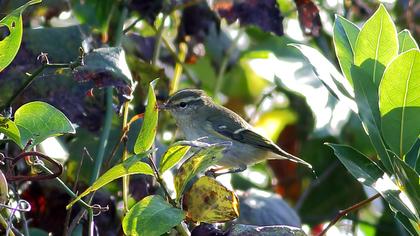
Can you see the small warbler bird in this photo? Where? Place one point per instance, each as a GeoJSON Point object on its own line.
{"type": "Point", "coordinates": [198, 116]}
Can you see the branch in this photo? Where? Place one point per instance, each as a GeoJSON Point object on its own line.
{"type": "Point", "coordinates": [344, 212]}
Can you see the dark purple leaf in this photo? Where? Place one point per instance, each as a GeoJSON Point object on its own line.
{"type": "Point", "coordinates": [262, 13]}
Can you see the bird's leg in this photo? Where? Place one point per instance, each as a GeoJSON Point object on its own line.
{"type": "Point", "coordinates": [221, 171]}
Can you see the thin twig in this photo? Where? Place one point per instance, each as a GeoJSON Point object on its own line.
{"type": "Point", "coordinates": [33, 76]}
{"type": "Point", "coordinates": [344, 212]}
{"type": "Point", "coordinates": [68, 214]}
{"type": "Point", "coordinates": [161, 183]}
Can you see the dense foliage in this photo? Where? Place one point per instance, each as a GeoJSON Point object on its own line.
{"type": "Point", "coordinates": [84, 149]}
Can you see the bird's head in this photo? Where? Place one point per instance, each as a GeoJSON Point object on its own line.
{"type": "Point", "coordinates": [187, 103]}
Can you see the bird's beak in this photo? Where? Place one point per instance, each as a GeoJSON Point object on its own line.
{"type": "Point", "coordinates": [163, 106]}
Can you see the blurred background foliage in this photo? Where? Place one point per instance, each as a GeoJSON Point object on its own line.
{"type": "Point", "coordinates": [237, 51]}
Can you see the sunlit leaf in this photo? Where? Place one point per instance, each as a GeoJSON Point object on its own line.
{"type": "Point", "coordinates": [328, 74]}
{"type": "Point", "coordinates": [366, 97]}
{"type": "Point", "coordinates": [368, 173]}
{"type": "Point", "coordinates": [209, 201]}
{"type": "Point", "coordinates": [345, 36]}
{"type": "Point", "coordinates": [172, 156]}
{"type": "Point", "coordinates": [39, 120]}
{"type": "Point", "coordinates": [197, 163]}
{"type": "Point", "coordinates": [9, 128]}
{"type": "Point", "coordinates": [9, 46]}
{"type": "Point", "coordinates": [376, 45]}
{"type": "Point", "coordinates": [406, 41]}
{"type": "Point", "coordinates": [152, 216]}
{"type": "Point", "coordinates": [147, 133]}
{"type": "Point", "coordinates": [131, 166]}
{"type": "Point", "coordinates": [400, 102]}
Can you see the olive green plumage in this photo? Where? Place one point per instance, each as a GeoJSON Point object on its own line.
{"type": "Point", "coordinates": [198, 116]}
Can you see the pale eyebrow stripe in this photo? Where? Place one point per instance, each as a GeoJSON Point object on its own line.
{"type": "Point", "coordinates": [189, 99]}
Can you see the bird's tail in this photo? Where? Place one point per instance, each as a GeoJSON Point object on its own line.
{"type": "Point", "coordinates": [285, 155]}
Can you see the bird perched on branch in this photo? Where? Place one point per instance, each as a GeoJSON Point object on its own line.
{"type": "Point", "coordinates": [198, 116]}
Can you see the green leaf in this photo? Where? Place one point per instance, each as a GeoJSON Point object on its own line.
{"type": "Point", "coordinates": [376, 45]}
{"type": "Point", "coordinates": [172, 156]}
{"type": "Point", "coordinates": [197, 163]}
{"type": "Point", "coordinates": [9, 128]}
{"type": "Point", "coordinates": [105, 65]}
{"type": "Point", "coordinates": [147, 133]}
{"type": "Point", "coordinates": [411, 226]}
{"type": "Point", "coordinates": [9, 46]}
{"type": "Point", "coordinates": [366, 97]}
{"type": "Point", "coordinates": [152, 216]}
{"type": "Point", "coordinates": [329, 76]}
{"type": "Point", "coordinates": [345, 36]}
{"type": "Point", "coordinates": [409, 180]}
{"type": "Point", "coordinates": [368, 173]}
{"type": "Point", "coordinates": [39, 120]}
{"type": "Point", "coordinates": [131, 166]}
{"type": "Point", "coordinates": [406, 41]}
{"type": "Point", "coordinates": [413, 156]}
{"type": "Point", "coordinates": [400, 102]}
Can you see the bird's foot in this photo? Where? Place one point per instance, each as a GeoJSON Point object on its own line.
{"type": "Point", "coordinates": [214, 173]}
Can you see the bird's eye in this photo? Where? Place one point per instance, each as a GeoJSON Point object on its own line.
{"type": "Point", "coordinates": [182, 104]}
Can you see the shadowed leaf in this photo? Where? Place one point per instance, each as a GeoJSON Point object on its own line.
{"type": "Point", "coordinates": [345, 36]}
{"type": "Point", "coordinates": [368, 173]}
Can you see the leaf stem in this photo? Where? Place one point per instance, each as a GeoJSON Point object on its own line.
{"type": "Point", "coordinates": [161, 183]}
{"type": "Point", "coordinates": [344, 212]}
{"type": "Point", "coordinates": [66, 188]}
{"type": "Point", "coordinates": [104, 136]}
{"type": "Point", "coordinates": [126, 179]}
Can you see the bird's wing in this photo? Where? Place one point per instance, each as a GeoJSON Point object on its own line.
{"type": "Point", "coordinates": [234, 129]}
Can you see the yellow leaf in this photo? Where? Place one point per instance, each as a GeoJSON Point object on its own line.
{"type": "Point", "coordinates": [209, 201]}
